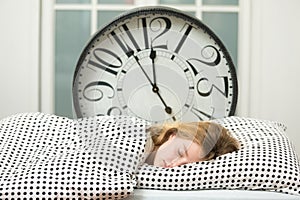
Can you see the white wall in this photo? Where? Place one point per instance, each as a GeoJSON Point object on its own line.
{"type": "Point", "coordinates": [275, 64]}
{"type": "Point", "coordinates": [19, 56]}
{"type": "Point", "coordinates": [273, 74]}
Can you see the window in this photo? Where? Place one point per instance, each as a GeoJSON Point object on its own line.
{"type": "Point", "coordinates": [76, 20]}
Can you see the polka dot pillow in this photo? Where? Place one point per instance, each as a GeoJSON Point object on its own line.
{"type": "Point", "coordinates": [47, 157]}
{"type": "Point", "coordinates": [266, 161]}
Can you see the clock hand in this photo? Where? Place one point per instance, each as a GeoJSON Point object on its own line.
{"type": "Point", "coordinates": [139, 64]}
{"type": "Point", "coordinates": [168, 109]}
{"type": "Point", "coordinates": [155, 89]}
{"type": "Point", "coordinates": [152, 57]}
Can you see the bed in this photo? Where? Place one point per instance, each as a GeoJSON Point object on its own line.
{"type": "Point", "coordinates": [47, 156]}
{"type": "Point", "coordinates": [142, 194]}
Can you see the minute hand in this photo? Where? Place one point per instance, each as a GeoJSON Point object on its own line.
{"type": "Point", "coordinates": [145, 73]}
{"type": "Point", "coordinates": [154, 87]}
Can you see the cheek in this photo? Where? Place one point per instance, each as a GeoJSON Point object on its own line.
{"type": "Point", "coordinates": [166, 152]}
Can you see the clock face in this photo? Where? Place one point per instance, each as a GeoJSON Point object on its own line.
{"type": "Point", "coordinates": [157, 64]}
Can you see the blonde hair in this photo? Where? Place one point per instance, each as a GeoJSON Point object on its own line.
{"type": "Point", "coordinates": [214, 138]}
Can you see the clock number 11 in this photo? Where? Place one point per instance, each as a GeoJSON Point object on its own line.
{"type": "Point", "coordinates": [129, 44]}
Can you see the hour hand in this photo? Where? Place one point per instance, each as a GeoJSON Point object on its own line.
{"type": "Point", "coordinates": [152, 57]}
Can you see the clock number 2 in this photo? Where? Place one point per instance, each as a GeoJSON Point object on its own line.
{"type": "Point", "coordinates": [214, 53]}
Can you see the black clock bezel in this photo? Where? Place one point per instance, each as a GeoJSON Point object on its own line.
{"type": "Point", "coordinates": [157, 10]}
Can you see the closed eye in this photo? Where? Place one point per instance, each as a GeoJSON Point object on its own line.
{"type": "Point", "coordinates": [184, 151]}
{"type": "Point", "coordinates": [180, 153]}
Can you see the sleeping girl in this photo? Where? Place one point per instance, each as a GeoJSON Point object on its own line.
{"type": "Point", "coordinates": [47, 156]}
{"type": "Point", "coordinates": [175, 144]}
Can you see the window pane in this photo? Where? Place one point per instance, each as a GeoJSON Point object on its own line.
{"type": "Point", "coordinates": [72, 1]}
{"type": "Point", "coordinates": [116, 1]}
{"type": "Point", "coordinates": [72, 31]}
{"type": "Point", "coordinates": [225, 26]}
{"type": "Point", "coordinates": [220, 2]}
{"type": "Point", "coordinates": [191, 13]}
{"type": "Point", "coordinates": [177, 2]}
{"type": "Point", "coordinates": [105, 17]}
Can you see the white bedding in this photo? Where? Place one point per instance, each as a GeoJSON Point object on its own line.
{"type": "Point", "coordinates": [143, 194]}
{"type": "Point", "coordinates": [46, 156]}
{"type": "Point", "coordinates": [266, 161]}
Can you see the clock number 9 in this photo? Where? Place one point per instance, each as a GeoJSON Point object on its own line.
{"type": "Point", "coordinates": [92, 92]}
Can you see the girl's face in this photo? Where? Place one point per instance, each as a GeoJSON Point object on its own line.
{"type": "Point", "coordinates": [177, 151]}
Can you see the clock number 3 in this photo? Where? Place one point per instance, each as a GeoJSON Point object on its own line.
{"type": "Point", "coordinates": [213, 86]}
{"type": "Point", "coordinates": [202, 115]}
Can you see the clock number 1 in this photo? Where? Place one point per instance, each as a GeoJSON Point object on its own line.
{"type": "Point", "coordinates": [183, 38]}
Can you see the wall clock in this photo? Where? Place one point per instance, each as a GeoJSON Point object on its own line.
{"type": "Point", "coordinates": [158, 64]}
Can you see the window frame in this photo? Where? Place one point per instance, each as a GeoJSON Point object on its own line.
{"type": "Point", "coordinates": [48, 9]}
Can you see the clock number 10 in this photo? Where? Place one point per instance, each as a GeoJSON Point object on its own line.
{"type": "Point", "coordinates": [100, 63]}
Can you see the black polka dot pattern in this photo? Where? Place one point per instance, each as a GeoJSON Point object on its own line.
{"type": "Point", "coordinates": [50, 157]}
{"type": "Point", "coordinates": [266, 161]}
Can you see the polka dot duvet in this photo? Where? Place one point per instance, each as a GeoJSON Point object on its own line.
{"type": "Point", "coordinates": [46, 156]}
